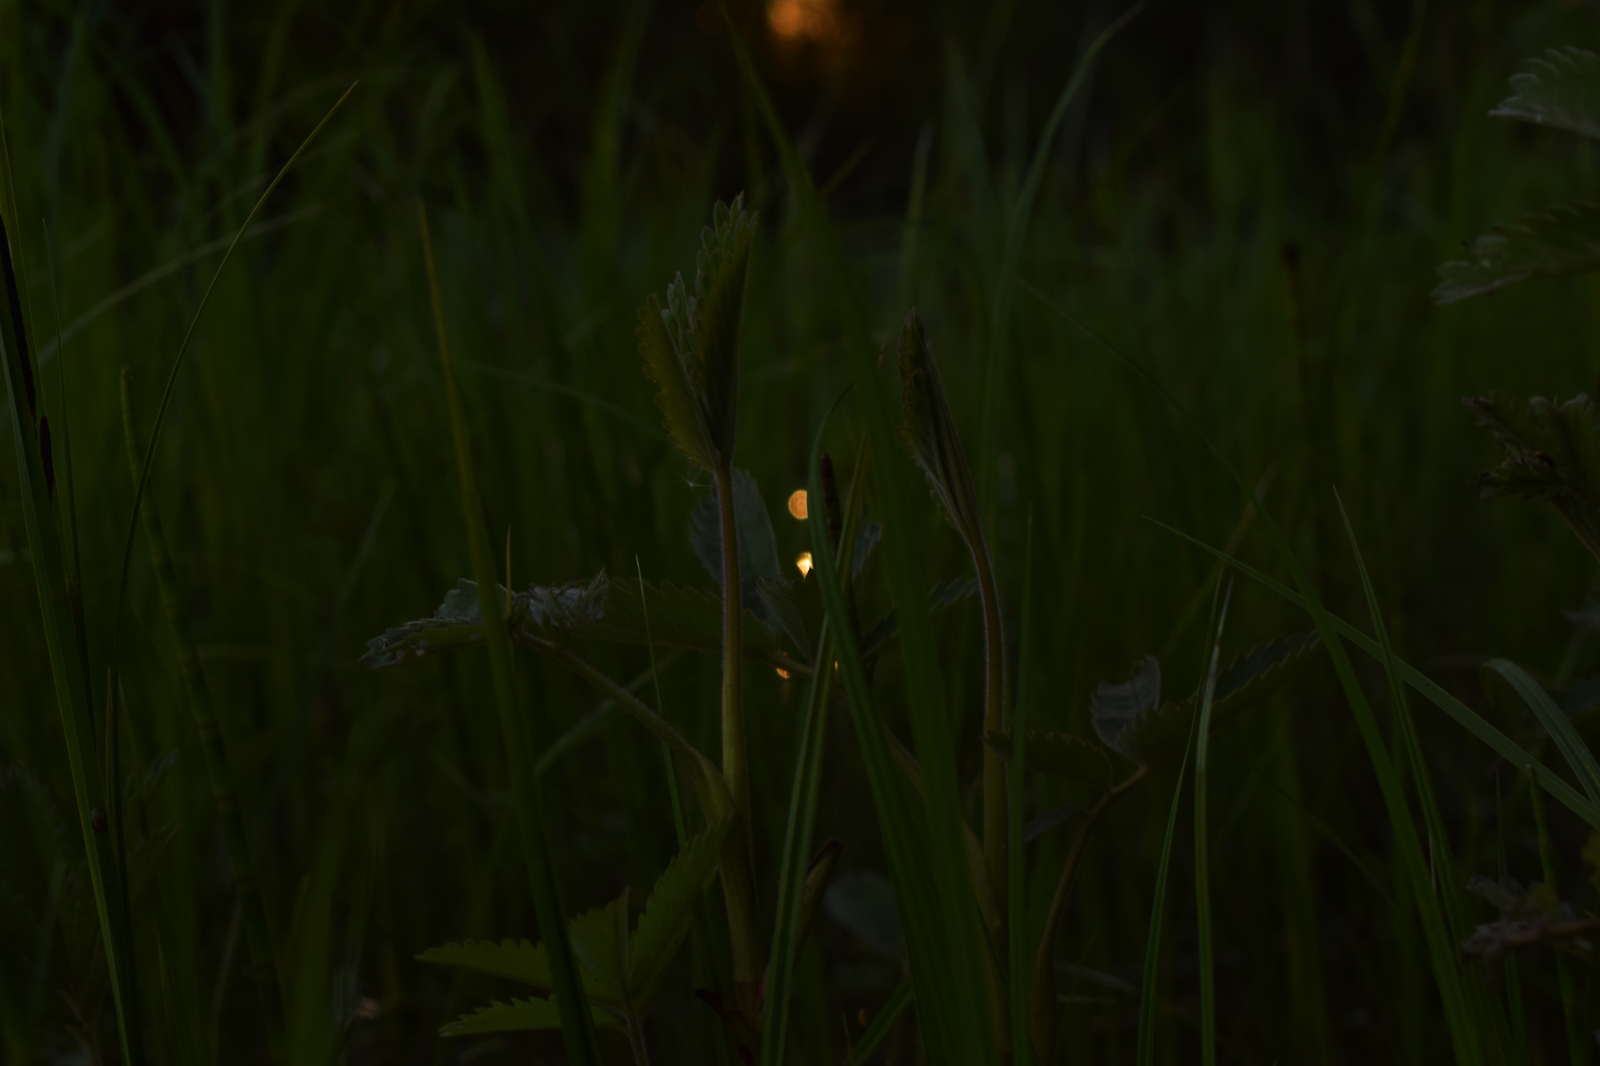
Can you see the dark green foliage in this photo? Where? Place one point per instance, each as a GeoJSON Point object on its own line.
{"type": "Point", "coordinates": [1131, 719]}
{"type": "Point", "coordinates": [758, 549]}
{"type": "Point", "coordinates": [1562, 90]}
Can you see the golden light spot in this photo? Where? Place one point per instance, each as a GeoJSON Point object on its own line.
{"type": "Point", "coordinates": [810, 21]}
{"type": "Point", "coordinates": [782, 672]}
{"type": "Point", "coordinates": [803, 561]}
{"type": "Point", "coordinates": [797, 504]}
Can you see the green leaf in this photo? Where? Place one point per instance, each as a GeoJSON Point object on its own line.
{"type": "Point", "coordinates": [518, 1015]}
{"type": "Point", "coordinates": [691, 347]}
{"type": "Point", "coordinates": [520, 961]}
{"type": "Point", "coordinates": [1552, 454]}
{"type": "Point", "coordinates": [1562, 90]}
{"type": "Point", "coordinates": [1125, 717]}
{"type": "Point", "coordinates": [669, 911]}
{"type": "Point", "coordinates": [758, 546]}
{"type": "Point", "coordinates": [930, 429]}
{"type": "Point", "coordinates": [1558, 242]}
{"type": "Point", "coordinates": [1059, 755]}
{"type": "Point", "coordinates": [603, 608]}
{"type": "Point", "coordinates": [783, 608]}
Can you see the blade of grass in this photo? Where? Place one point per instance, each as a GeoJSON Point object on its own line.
{"type": "Point", "coordinates": [1463, 1032]}
{"type": "Point", "coordinates": [1442, 888]}
{"type": "Point", "coordinates": [577, 1022]}
{"type": "Point", "coordinates": [1145, 1052]}
{"type": "Point", "coordinates": [1555, 722]}
{"type": "Point", "coordinates": [63, 632]}
{"type": "Point", "coordinates": [937, 897]}
{"type": "Point", "coordinates": [267, 975]}
{"type": "Point", "coordinates": [1569, 987]}
{"type": "Point", "coordinates": [803, 798]}
{"type": "Point", "coordinates": [1202, 865]}
{"type": "Point", "coordinates": [1519, 1017]}
{"type": "Point", "coordinates": [1307, 600]}
{"type": "Point", "coordinates": [1017, 799]}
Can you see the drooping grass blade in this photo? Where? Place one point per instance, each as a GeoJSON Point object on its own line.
{"type": "Point", "coordinates": [1555, 722]}
{"type": "Point", "coordinates": [577, 1021]}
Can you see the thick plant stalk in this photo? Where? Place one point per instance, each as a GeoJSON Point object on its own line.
{"type": "Point", "coordinates": [738, 874]}
{"type": "Point", "coordinates": [995, 799]}
{"type": "Point", "coordinates": [258, 938]}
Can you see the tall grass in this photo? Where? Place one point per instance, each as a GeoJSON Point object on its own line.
{"type": "Point", "coordinates": [569, 163]}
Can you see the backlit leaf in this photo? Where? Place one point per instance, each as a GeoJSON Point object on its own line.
{"type": "Point", "coordinates": [669, 911]}
{"type": "Point", "coordinates": [519, 1015]}
{"type": "Point", "coordinates": [520, 961]}
{"type": "Point", "coordinates": [1059, 755]}
{"type": "Point", "coordinates": [1558, 242]}
{"type": "Point", "coordinates": [1562, 90]}
{"type": "Point", "coordinates": [758, 546]}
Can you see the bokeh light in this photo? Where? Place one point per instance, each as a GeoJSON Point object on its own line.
{"type": "Point", "coordinates": [803, 561]}
{"type": "Point", "coordinates": [797, 504]}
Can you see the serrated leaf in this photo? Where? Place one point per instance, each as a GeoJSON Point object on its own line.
{"type": "Point", "coordinates": [1113, 708]}
{"type": "Point", "coordinates": [781, 607]}
{"type": "Point", "coordinates": [520, 961]}
{"type": "Point", "coordinates": [1059, 755]}
{"type": "Point", "coordinates": [941, 597]}
{"type": "Point", "coordinates": [1562, 90]}
{"type": "Point", "coordinates": [931, 431]}
{"type": "Point", "coordinates": [691, 346]}
{"type": "Point", "coordinates": [601, 609]}
{"type": "Point", "coordinates": [1558, 242]}
{"type": "Point", "coordinates": [1151, 736]}
{"type": "Point", "coordinates": [517, 1016]}
{"type": "Point", "coordinates": [600, 944]}
{"type": "Point", "coordinates": [758, 545]}
{"type": "Point", "coordinates": [669, 911]}
{"type": "Point", "coordinates": [675, 396]}
{"type": "Point", "coordinates": [1552, 447]}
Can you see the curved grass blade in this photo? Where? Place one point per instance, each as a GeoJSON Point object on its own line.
{"type": "Point", "coordinates": [1569, 990]}
{"type": "Point", "coordinates": [1555, 722]}
{"type": "Point", "coordinates": [577, 1022]}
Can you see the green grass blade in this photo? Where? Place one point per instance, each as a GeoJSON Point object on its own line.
{"type": "Point", "coordinates": [1519, 1017]}
{"type": "Point", "coordinates": [1460, 1013]}
{"type": "Point", "coordinates": [577, 1022]}
{"type": "Point", "coordinates": [939, 902]}
{"type": "Point", "coordinates": [1555, 722]}
{"type": "Point", "coordinates": [1202, 862]}
{"type": "Point", "coordinates": [1576, 1040]}
{"type": "Point", "coordinates": [219, 770]}
{"type": "Point", "coordinates": [803, 799]}
{"type": "Point", "coordinates": [1145, 1053]}
{"type": "Point", "coordinates": [1016, 802]}
{"type": "Point", "coordinates": [177, 365]}
{"type": "Point", "coordinates": [63, 639]}
{"type": "Point", "coordinates": [1465, 716]}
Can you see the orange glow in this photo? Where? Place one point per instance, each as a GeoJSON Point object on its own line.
{"type": "Point", "coordinates": [782, 672]}
{"type": "Point", "coordinates": [817, 21]}
{"type": "Point", "coordinates": [803, 561]}
{"type": "Point", "coordinates": [797, 504]}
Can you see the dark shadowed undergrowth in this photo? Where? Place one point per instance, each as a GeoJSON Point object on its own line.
{"type": "Point", "coordinates": [1050, 409]}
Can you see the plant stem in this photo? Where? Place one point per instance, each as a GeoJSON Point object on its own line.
{"type": "Point", "coordinates": [738, 874]}
{"type": "Point", "coordinates": [1044, 963]}
{"type": "Point", "coordinates": [995, 827]}
{"type": "Point", "coordinates": [258, 938]}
